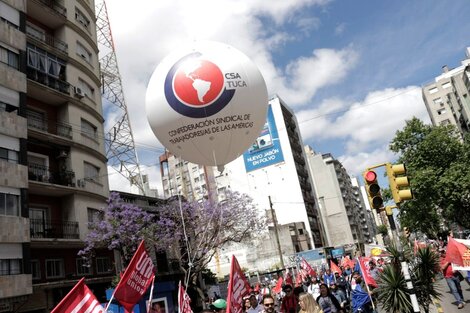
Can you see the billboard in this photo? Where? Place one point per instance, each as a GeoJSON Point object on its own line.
{"type": "Point", "coordinates": [266, 150]}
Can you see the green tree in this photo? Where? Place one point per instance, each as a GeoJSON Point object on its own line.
{"type": "Point", "coordinates": [437, 162]}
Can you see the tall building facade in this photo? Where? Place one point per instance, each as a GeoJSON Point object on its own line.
{"type": "Point", "coordinates": [447, 99]}
{"type": "Point", "coordinates": [53, 122]}
{"type": "Point", "coordinates": [344, 217]}
{"type": "Point", "coordinates": [15, 271]}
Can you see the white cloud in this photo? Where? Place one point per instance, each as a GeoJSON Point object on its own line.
{"type": "Point", "coordinates": [340, 29]}
{"type": "Point", "coordinates": [355, 164]}
{"type": "Point", "coordinates": [366, 124]}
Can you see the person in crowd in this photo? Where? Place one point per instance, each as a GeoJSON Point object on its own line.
{"type": "Point", "coordinates": [308, 304]}
{"type": "Point", "coordinates": [255, 307]}
{"type": "Point", "coordinates": [219, 306]}
{"type": "Point", "coordinates": [374, 271]}
{"type": "Point", "coordinates": [328, 277]}
{"type": "Point", "coordinates": [341, 283]}
{"type": "Point", "coordinates": [269, 304]}
{"type": "Point", "coordinates": [327, 301]}
{"type": "Point", "coordinates": [339, 295]}
{"type": "Point", "coordinates": [246, 304]}
{"type": "Point", "coordinates": [314, 288]}
{"type": "Point", "coordinates": [452, 281]}
{"type": "Point", "coordinates": [360, 297]}
{"type": "Point", "coordinates": [289, 302]}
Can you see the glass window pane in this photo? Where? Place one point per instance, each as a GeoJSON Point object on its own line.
{"type": "Point", "coordinates": [2, 203]}
{"type": "Point", "coordinates": [12, 205]}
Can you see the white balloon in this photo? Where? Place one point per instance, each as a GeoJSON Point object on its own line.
{"type": "Point", "coordinates": [207, 103]}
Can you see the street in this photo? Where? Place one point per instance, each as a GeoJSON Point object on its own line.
{"type": "Point", "coordinates": [447, 300]}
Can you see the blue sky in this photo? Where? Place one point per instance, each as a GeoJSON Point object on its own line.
{"type": "Point", "coordinates": [365, 60]}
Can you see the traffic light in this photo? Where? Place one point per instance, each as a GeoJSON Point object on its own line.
{"type": "Point", "coordinates": [399, 183]}
{"type": "Point", "coordinates": [373, 190]}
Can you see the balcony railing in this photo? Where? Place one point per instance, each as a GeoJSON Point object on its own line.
{"type": "Point", "coordinates": [54, 6]}
{"type": "Point", "coordinates": [42, 173]}
{"type": "Point", "coordinates": [53, 229]}
{"type": "Point", "coordinates": [48, 40]}
{"type": "Point", "coordinates": [62, 129]}
{"type": "Point", "coordinates": [48, 80]}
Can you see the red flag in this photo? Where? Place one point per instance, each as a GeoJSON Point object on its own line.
{"type": "Point", "coordinates": [289, 280]}
{"type": "Point", "coordinates": [237, 287]}
{"type": "Point", "coordinates": [335, 268]}
{"type": "Point", "coordinates": [278, 287]}
{"type": "Point", "coordinates": [183, 301]}
{"type": "Point", "coordinates": [455, 251]}
{"type": "Point", "coordinates": [79, 300]}
{"type": "Point", "coordinates": [136, 279]}
{"type": "Point", "coordinates": [307, 268]}
{"type": "Point", "coordinates": [346, 261]}
{"type": "Point", "coordinates": [365, 271]}
{"type": "Point", "coordinates": [298, 278]}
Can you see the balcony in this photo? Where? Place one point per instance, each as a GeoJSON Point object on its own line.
{"type": "Point", "coordinates": [60, 129]}
{"type": "Point", "coordinates": [53, 229]}
{"type": "Point", "coordinates": [48, 80]}
{"type": "Point", "coordinates": [42, 38]}
{"type": "Point", "coordinates": [48, 12]}
{"type": "Point", "coordinates": [42, 173]}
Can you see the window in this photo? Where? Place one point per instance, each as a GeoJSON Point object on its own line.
{"type": "Point", "coordinates": [10, 267]}
{"type": "Point", "coordinates": [445, 122]}
{"type": "Point", "coordinates": [441, 111]}
{"type": "Point", "coordinates": [437, 101]}
{"type": "Point", "coordinates": [82, 267]}
{"type": "Point", "coordinates": [87, 90]}
{"type": "Point", "coordinates": [94, 215]}
{"type": "Point", "coordinates": [35, 269]}
{"type": "Point", "coordinates": [433, 90]}
{"type": "Point", "coordinates": [9, 15]}
{"type": "Point", "coordinates": [9, 204]}
{"type": "Point", "coordinates": [37, 120]}
{"type": "Point", "coordinates": [54, 268]}
{"type": "Point", "coordinates": [82, 19]}
{"type": "Point", "coordinates": [9, 57]}
{"type": "Point", "coordinates": [88, 129]}
{"type": "Point", "coordinates": [103, 265]}
{"type": "Point", "coordinates": [9, 155]}
{"type": "Point", "coordinates": [446, 85]}
{"type": "Point", "coordinates": [83, 52]}
{"type": "Point", "coordinates": [91, 172]}
{"type": "Point", "coordinates": [45, 63]}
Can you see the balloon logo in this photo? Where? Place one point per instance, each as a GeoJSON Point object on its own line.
{"type": "Point", "coordinates": [207, 103]}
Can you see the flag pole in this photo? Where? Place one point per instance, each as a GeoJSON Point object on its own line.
{"type": "Point", "coordinates": [110, 300]}
{"type": "Point", "coordinates": [151, 293]}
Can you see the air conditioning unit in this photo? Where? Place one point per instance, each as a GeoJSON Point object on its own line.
{"type": "Point", "coordinates": [81, 183]}
{"type": "Point", "coordinates": [78, 92]}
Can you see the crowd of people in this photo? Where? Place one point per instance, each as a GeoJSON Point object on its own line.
{"type": "Point", "coordinates": [327, 292]}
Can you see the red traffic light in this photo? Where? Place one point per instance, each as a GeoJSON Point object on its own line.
{"type": "Point", "coordinates": [370, 176]}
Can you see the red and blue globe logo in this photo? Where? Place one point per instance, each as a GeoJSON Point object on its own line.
{"type": "Point", "coordinates": [195, 87]}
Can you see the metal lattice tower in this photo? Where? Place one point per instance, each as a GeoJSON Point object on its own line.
{"type": "Point", "coordinates": [119, 141]}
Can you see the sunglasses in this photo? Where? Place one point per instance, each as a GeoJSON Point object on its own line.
{"type": "Point", "coordinates": [269, 304]}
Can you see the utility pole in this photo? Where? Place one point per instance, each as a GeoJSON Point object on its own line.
{"type": "Point", "coordinates": [276, 233]}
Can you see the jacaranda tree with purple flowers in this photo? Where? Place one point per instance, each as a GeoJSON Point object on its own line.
{"type": "Point", "coordinates": [122, 228]}
{"type": "Point", "coordinates": [207, 226]}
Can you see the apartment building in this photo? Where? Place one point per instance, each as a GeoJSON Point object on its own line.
{"type": "Point", "coordinates": [447, 98]}
{"type": "Point", "coordinates": [53, 132]}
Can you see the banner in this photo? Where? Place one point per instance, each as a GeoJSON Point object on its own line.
{"type": "Point", "coordinates": [458, 252]}
{"type": "Point", "coordinates": [183, 300]}
{"type": "Point", "coordinates": [136, 279]}
{"type": "Point", "coordinates": [237, 288]}
{"type": "Point", "coordinates": [288, 278]}
{"type": "Point", "coordinates": [79, 300]}
{"type": "Point", "coordinates": [365, 272]}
